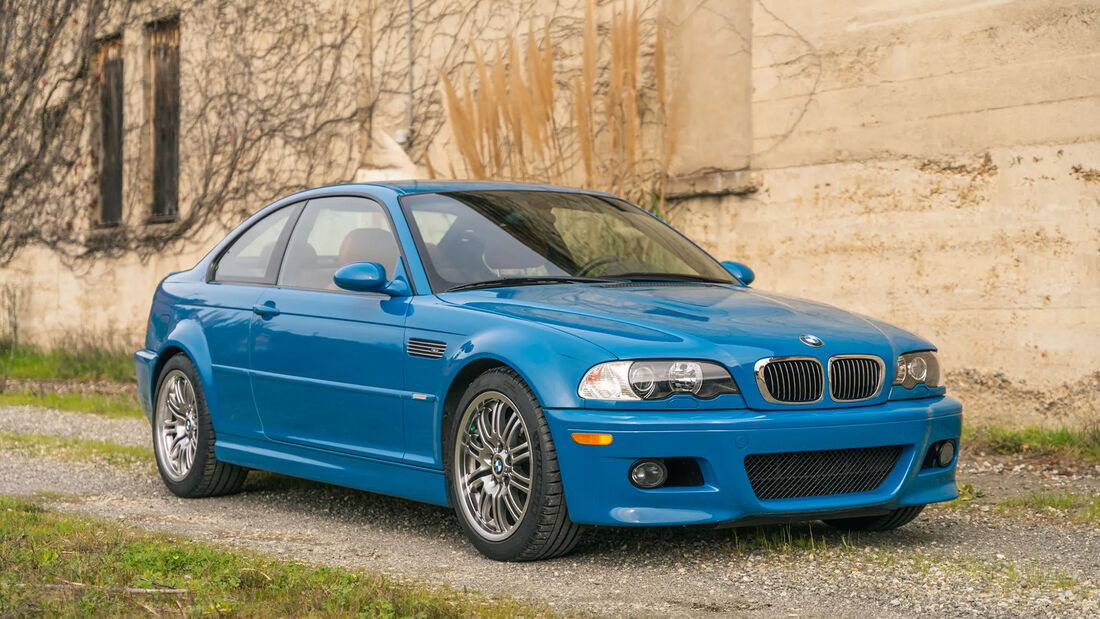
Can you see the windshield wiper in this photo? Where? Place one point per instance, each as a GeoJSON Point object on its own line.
{"type": "Point", "coordinates": [667, 277]}
{"type": "Point", "coordinates": [535, 280]}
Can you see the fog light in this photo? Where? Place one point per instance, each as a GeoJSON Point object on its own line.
{"type": "Point", "coordinates": [940, 455]}
{"type": "Point", "coordinates": [648, 473]}
{"type": "Point", "coordinates": [946, 454]}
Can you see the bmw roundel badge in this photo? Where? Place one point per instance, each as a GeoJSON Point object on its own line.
{"type": "Point", "coordinates": [810, 340]}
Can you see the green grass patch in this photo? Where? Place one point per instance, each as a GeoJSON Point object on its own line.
{"type": "Point", "coordinates": [108, 405]}
{"type": "Point", "coordinates": [868, 553]}
{"type": "Point", "coordinates": [83, 363]}
{"type": "Point", "coordinates": [810, 537]}
{"type": "Point", "coordinates": [76, 449]}
{"type": "Point", "coordinates": [1080, 507]}
{"type": "Point", "coordinates": [56, 564]}
{"type": "Point", "coordinates": [1078, 443]}
{"type": "Point", "coordinates": [1006, 575]}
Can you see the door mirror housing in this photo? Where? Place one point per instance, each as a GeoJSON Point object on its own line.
{"type": "Point", "coordinates": [740, 271]}
{"type": "Point", "coordinates": [368, 277]}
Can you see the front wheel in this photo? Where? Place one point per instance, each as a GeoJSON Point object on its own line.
{"type": "Point", "coordinates": [885, 522]}
{"type": "Point", "coordinates": [502, 472]}
{"type": "Point", "coordinates": [183, 436]}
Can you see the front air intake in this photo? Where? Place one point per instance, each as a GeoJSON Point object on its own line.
{"type": "Point", "coordinates": [798, 474]}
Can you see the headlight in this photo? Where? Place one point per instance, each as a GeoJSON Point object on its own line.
{"type": "Point", "coordinates": [655, 380]}
{"type": "Point", "coordinates": [916, 368]}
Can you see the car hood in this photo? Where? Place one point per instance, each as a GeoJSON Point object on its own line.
{"type": "Point", "coordinates": [633, 319]}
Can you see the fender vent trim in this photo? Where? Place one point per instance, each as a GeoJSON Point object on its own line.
{"type": "Point", "coordinates": [429, 349]}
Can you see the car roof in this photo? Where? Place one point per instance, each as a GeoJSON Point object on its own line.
{"type": "Point", "coordinates": [432, 186]}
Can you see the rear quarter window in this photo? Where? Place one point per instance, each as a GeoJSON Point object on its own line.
{"type": "Point", "coordinates": [251, 258]}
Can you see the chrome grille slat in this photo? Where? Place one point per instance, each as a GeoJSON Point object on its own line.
{"type": "Point", "coordinates": [855, 377]}
{"type": "Point", "coordinates": [790, 380]}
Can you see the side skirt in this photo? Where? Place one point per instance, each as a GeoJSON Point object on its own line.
{"type": "Point", "coordinates": [393, 478]}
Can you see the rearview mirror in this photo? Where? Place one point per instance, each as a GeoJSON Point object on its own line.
{"type": "Point", "coordinates": [740, 271]}
{"type": "Point", "coordinates": [371, 277]}
{"type": "Point", "coordinates": [361, 277]}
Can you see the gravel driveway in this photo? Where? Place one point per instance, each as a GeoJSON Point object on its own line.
{"type": "Point", "coordinates": [972, 560]}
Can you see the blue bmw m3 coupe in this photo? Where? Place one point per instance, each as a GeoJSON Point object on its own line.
{"type": "Point", "coordinates": [538, 358]}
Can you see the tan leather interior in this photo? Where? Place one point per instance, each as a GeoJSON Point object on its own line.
{"type": "Point", "coordinates": [369, 245]}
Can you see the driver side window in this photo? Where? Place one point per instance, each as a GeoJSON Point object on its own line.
{"type": "Point", "coordinates": [334, 232]}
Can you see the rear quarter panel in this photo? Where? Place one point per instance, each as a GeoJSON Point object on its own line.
{"type": "Point", "coordinates": [210, 324]}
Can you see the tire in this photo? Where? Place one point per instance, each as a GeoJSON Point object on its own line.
{"type": "Point", "coordinates": [196, 473]}
{"type": "Point", "coordinates": [885, 522]}
{"type": "Point", "coordinates": [486, 488]}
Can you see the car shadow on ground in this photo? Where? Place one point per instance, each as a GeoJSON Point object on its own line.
{"type": "Point", "coordinates": [598, 544]}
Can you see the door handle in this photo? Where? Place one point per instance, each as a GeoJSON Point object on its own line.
{"type": "Point", "coordinates": [266, 310]}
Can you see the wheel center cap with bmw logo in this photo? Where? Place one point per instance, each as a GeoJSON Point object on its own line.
{"type": "Point", "coordinates": [810, 340]}
{"type": "Point", "coordinates": [498, 465]}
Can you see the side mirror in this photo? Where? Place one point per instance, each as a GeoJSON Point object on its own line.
{"type": "Point", "coordinates": [361, 277]}
{"type": "Point", "coordinates": [740, 271]}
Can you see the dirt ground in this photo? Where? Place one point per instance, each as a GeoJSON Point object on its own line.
{"type": "Point", "coordinates": [964, 558]}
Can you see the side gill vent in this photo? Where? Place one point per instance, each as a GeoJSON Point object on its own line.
{"type": "Point", "coordinates": [428, 349]}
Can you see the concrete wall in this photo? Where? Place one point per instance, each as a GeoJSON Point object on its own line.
{"type": "Point", "coordinates": [935, 164]}
{"type": "Point", "coordinates": [224, 50]}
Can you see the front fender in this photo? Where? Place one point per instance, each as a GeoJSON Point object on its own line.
{"type": "Point", "coordinates": [550, 361]}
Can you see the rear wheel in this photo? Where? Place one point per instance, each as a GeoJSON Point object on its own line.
{"type": "Point", "coordinates": [884, 522]}
{"type": "Point", "coordinates": [502, 472]}
{"type": "Point", "coordinates": [183, 436]}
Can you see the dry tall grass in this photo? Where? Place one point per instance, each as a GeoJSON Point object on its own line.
{"type": "Point", "coordinates": [611, 126]}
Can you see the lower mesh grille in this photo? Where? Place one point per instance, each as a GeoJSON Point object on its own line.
{"type": "Point", "coordinates": [798, 474]}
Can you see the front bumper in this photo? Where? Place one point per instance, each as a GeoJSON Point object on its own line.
{"type": "Point", "coordinates": [597, 490]}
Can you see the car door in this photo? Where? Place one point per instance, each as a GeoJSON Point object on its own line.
{"type": "Point", "coordinates": [236, 280]}
{"type": "Point", "coordinates": [327, 364]}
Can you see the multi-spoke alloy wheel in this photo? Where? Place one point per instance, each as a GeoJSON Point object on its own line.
{"type": "Point", "coordinates": [177, 425]}
{"type": "Point", "coordinates": [493, 465]}
{"type": "Point", "coordinates": [502, 471]}
{"type": "Point", "coordinates": [183, 436]}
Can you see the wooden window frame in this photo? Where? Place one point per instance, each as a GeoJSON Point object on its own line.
{"type": "Point", "coordinates": [163, 38]}
{"type": "Point", "coordinates": [110, 131]}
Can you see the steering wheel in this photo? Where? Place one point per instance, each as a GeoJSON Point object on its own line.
{"type": "Point", "coordinates": [595, 263]}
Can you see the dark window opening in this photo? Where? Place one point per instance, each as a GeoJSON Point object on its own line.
{"type": "Point", "coordinates": [253, 258]}
{"type": "Point", "coordinates": [335, 231]}
{"type": "Point", "coordinates": [164, 39]}
{"type": "Point", "coordinates": [110, 132]}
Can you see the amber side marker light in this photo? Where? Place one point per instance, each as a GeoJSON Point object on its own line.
{"type": "Point", "coordinates": [590, 438]}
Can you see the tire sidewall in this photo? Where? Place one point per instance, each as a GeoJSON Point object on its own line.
{"type": "Point", "coordinates": [512, 546]}
{"type": "Point", "coordinates": [205, 436]}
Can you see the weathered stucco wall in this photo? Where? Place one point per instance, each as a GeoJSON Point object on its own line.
{"type": "Point", "coordinates": [233, 60]}
{"type": "Point", "coordinates": [935, 164]}
{"type": "Point", "coordinates": [856, 80]}
{"type": "Point", "coordinates": [995, 259]}
{"type": "Point", "coordinates": [103, 304]}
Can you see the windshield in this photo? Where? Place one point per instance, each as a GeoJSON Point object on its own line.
{"type": "Point", "coordinates": [474, 239]}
